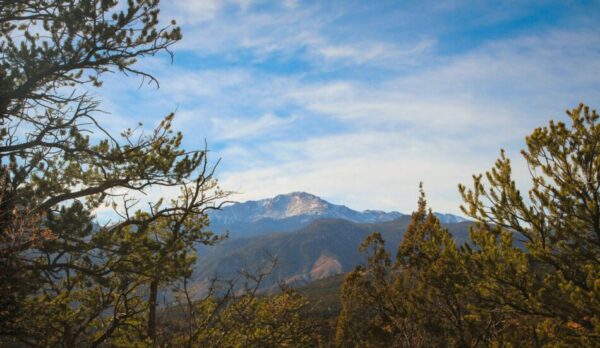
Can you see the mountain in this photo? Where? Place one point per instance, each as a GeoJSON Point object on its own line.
{"type": "Point", "coordinates": [289, 212]}
{"type": "Point", "coordinates": [323, 248]}
{"type": "Point", "coordinates": [449, 218]}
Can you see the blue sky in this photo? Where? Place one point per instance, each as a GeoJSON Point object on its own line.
{"type": "Point", "coordinates": [358, 101]}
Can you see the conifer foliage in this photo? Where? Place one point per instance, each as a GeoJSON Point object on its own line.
{"type": "Point", "coordinates": [537, 256]}
{"type": "Point", "coordinates": [66, 281]}
{"type": "Point", "coordinates": [528, 276]}
{"type": "Point", "coordinates": [417, 301]}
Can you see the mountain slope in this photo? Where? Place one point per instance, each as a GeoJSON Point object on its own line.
{"type": "Point", "coordinates": [323, 248]}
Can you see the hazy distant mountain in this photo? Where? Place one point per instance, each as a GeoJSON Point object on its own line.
{"type": "Point", "coordinates": [321, 249]}
{"type": "Point", "coordinates": [449, 218]}
{"type": "Point", "coordinates": [289, 212]}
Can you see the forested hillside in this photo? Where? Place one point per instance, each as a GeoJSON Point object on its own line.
{"type": "Point", "coordinates": [322, 249]}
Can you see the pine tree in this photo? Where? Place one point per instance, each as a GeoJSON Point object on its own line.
{"type": "Point", "coordinates": [66, 281]}
{"type": "Point", "coordinates": [536, 257]}
{"type": "Point", "coordinates": [420, 300]}
{"type": "Point", "coordinates": [236, 313]}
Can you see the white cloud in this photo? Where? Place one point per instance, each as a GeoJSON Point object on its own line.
{"type": "Point", "coordinates": [363, 170]}
{"type": "Point", "coordinates": [247, 129]}
{"type": "Point", "coordinates": [440, 125]}
{"type": "Point", "coordinates": [290, 3]}
{"type": "Point", "coordinates": [381, 53]}
{"type": "Point", "coordinates": [193, 12]}
{"type": "Point", "coordinates": [356, 139]}
{"type": "Point", "coordinates": [291, 30]}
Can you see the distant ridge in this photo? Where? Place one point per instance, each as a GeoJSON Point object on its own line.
{"type": "Point", "coordinates": [323, 248]}
{"type": "Point", "coordinates": [289, 212]}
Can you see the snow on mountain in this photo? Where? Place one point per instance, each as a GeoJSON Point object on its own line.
{"type": "Point", "coordinates": [450, 218]}
{"type": "Point", "coordinates": [295, 204]}
{"type": "Point", "coordinates": [291, 211]}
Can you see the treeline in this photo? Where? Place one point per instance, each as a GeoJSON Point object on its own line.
{"type": "Point", "coordinates": [529, 276]}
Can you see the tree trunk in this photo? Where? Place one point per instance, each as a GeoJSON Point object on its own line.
{"type": "Point", "coordinates": [152, 310]}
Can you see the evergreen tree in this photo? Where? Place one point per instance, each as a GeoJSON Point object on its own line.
{"type": "Point", "coordinates": [536, 258]}
{"type": "Point", "coordinates": [232, 314]}
{"type": "Point", "coordinates": [528, 275]}
{"type": "Point", "coordinates": [65, 281]}
{"type": "Point", "coordinates": [420, 300]}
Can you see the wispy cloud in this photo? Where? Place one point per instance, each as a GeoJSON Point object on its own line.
{"type": "Point", "coordinates": [359, 103]}
{"type": "Point", "coordinates": [379, 52]}
{"type": "Point", "coordinates": [249, 129]}
{"type": "Point", "coordinates": [290, 30]}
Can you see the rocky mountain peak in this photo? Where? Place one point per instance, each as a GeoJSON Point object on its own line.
{"type": "Point", "coordinates": [294, 204]}
{"type": "Point", "coordinates": [288, 212]}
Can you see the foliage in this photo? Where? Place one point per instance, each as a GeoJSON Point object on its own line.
{"type": "Point", "coordinates": [323, 307]}
{"type": "Point", "coordinates": [538, 256]}
{"type": "Point", "coordinates": [529, 275]}
{"type": "Point", "coordinates": [227, 316]}
{"type": "Point", "coordinates": [65, 280]}
{"type": "Point", "coordinates": [417, 301]}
